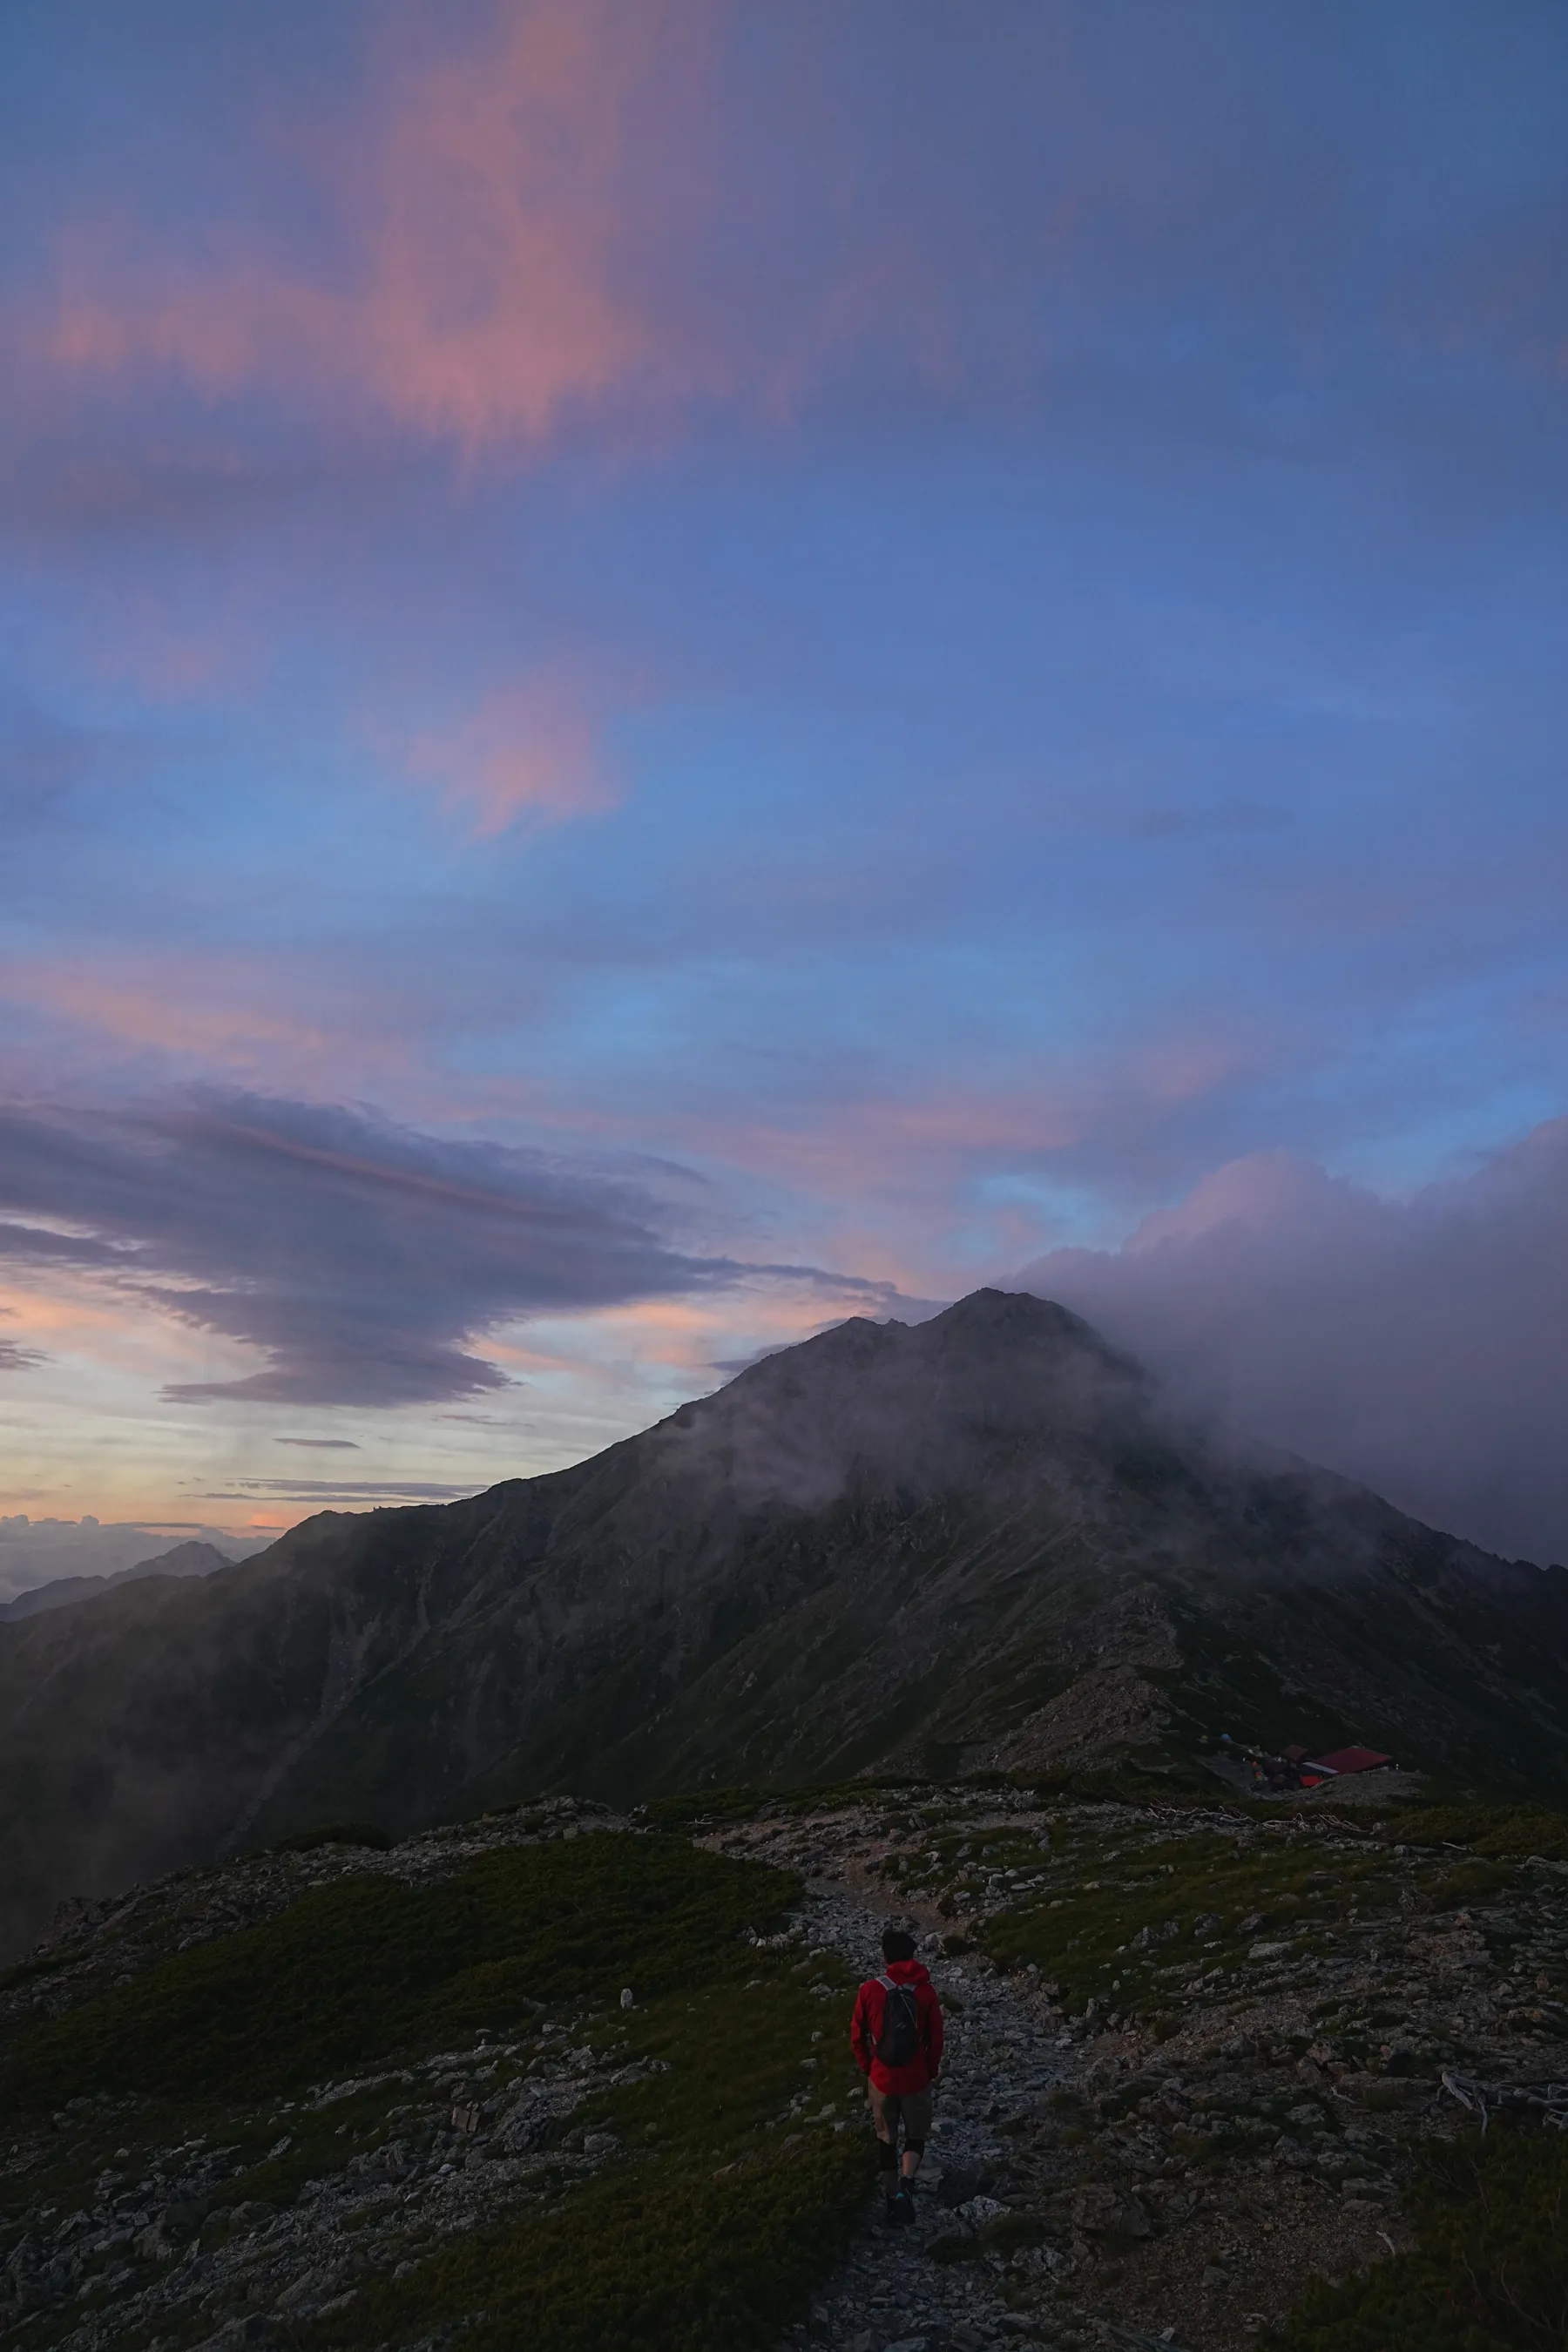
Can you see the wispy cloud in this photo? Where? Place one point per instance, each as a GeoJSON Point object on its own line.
{"type": "Point", "coordinates": [359, 1259]}
{"type": "Point", "coordinates": [543, 211]}
{"type": "Point", "coordinates": [321, 1492]}
{"type": "Point", "coordinates": [536, 748]}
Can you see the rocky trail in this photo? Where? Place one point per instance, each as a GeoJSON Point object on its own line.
{"type": "Point", "coordinates": [1008, 2047]}
{"type": "Point", "coordinates": [1002, 2054]}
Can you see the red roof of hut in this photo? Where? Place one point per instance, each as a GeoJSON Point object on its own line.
{"type": "Point", "coordinates": [1349, 1760]}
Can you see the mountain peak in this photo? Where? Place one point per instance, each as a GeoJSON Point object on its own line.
{"type": "Point", "coordinates": [999, 1325]}
{"type": "Point", "coordinates": [1018, 1316]}
{"type": "Point", "coordinates": [997, 1391]}
{"type": "Point", "coordinates": [190, 1559]}
{"type": "Point", "coordinates": [975, 1541]}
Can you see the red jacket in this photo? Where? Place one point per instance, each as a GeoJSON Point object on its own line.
{"type": "Point", "coordinates": [866, 2028]}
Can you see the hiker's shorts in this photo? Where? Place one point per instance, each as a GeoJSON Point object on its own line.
{"type": "Point", "coordinates": [911, 2107]}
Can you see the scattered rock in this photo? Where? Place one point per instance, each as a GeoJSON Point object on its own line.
{"type": "Point", "coordinates": [958, 2185]}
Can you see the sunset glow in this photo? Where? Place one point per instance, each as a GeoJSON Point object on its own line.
{"type": "Point", "coordinates": [672, 673]}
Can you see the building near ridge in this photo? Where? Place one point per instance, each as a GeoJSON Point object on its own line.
{"type": "Point", "coordinates": [1340, 1760]}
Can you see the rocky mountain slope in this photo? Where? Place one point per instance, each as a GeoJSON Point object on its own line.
{"type": "Point", "coordinates": [983, 1541]}
{"type": "Point", "coordinates": [349, 2098]}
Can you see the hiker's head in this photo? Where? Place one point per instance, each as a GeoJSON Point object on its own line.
{"type": "Point", "coordinates": [897, 1946]}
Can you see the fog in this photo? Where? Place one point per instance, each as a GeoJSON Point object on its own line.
{"type": "Point", "coordinates": [40, 1551]}
{"type": "Point", "coordinates": [1420, 1345]}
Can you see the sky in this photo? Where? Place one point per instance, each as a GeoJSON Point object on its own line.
{"type": "Point", "coordinates": [669, 673]}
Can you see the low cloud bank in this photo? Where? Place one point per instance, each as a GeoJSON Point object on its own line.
{"type": "Point", "coordinates": [1420, 1345]}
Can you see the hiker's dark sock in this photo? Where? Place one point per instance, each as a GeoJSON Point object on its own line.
{"type": "Point", "coordinates": [887, 2158]}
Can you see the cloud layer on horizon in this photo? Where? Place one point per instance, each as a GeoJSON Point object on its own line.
{"type": "Point", "coordinates": [36, 1552]}
{"type": "Point", "coordinates": [1419, 1345]}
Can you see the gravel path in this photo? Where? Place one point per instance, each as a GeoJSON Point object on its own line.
{"type": "Point", "coordinates": [1004, 2052]}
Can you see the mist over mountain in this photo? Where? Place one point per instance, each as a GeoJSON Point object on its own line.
{"type": "Point", "coordinates": [36, 1552]}
{"type": "Point", "coordinates": [1414, 1344]}
{"type": "Point", "coordinates": [180, 1559]}
{"type": "Point", "coordinates": [985, 1541]}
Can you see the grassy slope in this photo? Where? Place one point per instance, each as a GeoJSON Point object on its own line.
{"type": "Point", "coordinates": [698, 2234]}
{"type": "Point", "coordinates": [670, 2251]}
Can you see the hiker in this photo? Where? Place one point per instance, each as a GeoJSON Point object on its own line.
{"type": "Point", "coordinates": [895, 2035]}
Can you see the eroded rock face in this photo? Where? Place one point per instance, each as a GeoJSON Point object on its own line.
{"type": "Point", "coordinates": [978, 1541]}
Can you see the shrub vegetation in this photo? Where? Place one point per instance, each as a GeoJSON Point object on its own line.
{"type": "Point", "coordinates": [1489, 2271]}
{"type": "Point", "coordinates": [369, 1968]}
{"type": "Point", "coordinates": [724, 2205]}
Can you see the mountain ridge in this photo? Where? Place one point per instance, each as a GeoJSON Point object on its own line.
{"type": "Point", "coordinates": [190, 1559]}
{"type": "Point", "coordinates": [889, 1546]}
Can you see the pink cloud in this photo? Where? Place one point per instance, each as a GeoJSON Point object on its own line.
{"type": "Point", "coordinates": [172, 1015]}
{"type": "Point", "coordinates": [879, 1132]}
{"type": "Point", "coordinates": [555, 205]}
{"type": "Point", "coordinates": [535, 748]}
{"type": "Point", "coordinates": [1264, 1190]}
{"type": "Point", "coordinates": [177, 1006]}
{"type": "Point", "coordinates": [495, 299]}
{"type": "Point", "coordinates": [556, 216]}
{"type": "Point", "coordinates": [481, 214]}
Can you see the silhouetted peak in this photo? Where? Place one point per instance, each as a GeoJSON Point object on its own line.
{"type": "Point", "coordinates": [1014, 1314]}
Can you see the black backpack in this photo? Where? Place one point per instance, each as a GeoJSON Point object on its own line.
{"type": "Point", "coordinates": [899, 2042]}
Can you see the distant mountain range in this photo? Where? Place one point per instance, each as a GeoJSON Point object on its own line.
{"type": "Point", "coordinates": [182, 1560]}
{"type": "Point", "coordinates": [983, 1541]}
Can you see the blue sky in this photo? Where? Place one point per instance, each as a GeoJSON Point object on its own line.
{"type": "Point", "coordinates": [667, 674]}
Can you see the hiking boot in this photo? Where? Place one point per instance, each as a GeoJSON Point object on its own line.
{"type": "Point", "coordinates": [902, 2208]}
